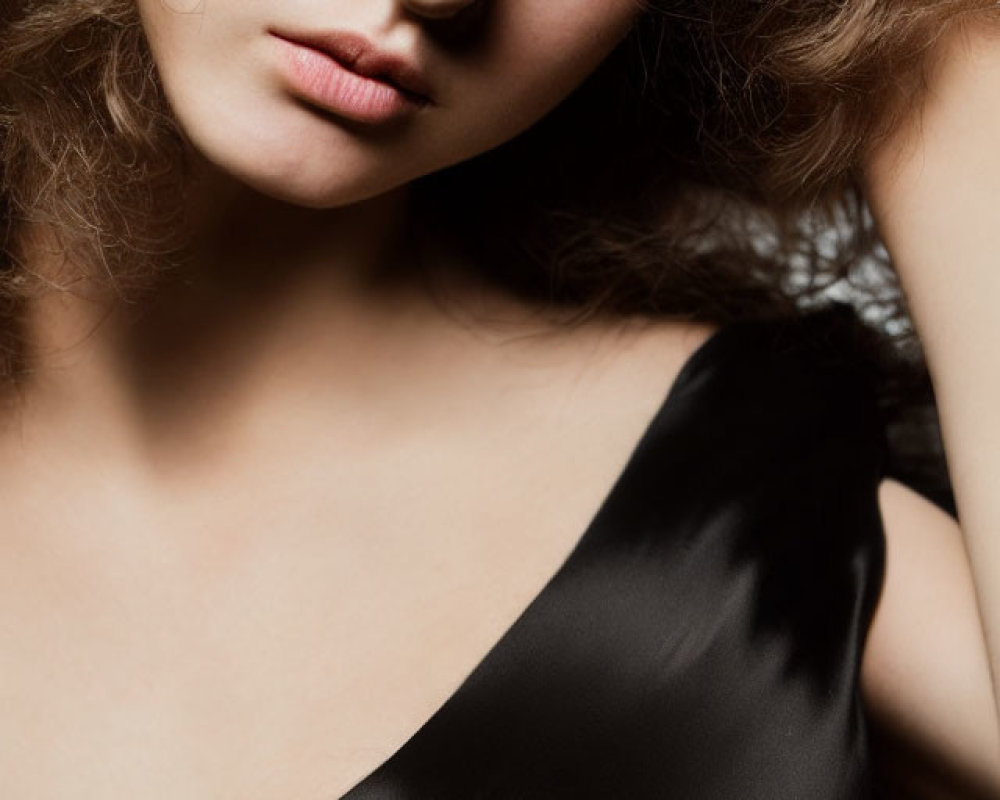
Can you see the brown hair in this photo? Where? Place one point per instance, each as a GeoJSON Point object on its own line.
{"type": "Point", "coordinates": [88, 151]}
{"type": "Point", "coordinates": [717, 179]}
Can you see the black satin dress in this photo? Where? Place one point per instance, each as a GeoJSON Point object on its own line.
{"type": "Point", "coordinates": [703, 639]}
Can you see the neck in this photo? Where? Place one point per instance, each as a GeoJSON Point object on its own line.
{"type": "Point", "coordinates": [270, 304]}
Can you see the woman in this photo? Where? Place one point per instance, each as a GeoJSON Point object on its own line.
{"type": "Point", "coordinates": [328, 326]}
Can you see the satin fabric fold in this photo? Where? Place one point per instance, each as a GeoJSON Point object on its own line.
{"type": "Point", "coordinates": [703, 639]}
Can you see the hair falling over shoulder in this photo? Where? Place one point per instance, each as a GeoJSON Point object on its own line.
{"type": "Point", "coordinates": [88, 150]}
{"type": "Point", "coordinates": [717, 179]}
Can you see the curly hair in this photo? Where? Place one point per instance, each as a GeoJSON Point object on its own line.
{"type": "Point", "coordinates": [718, 178]}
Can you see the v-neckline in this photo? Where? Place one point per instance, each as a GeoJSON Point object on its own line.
{"type": "Point", "coordinates": [682, 377]}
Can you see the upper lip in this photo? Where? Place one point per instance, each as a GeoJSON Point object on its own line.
{"type": "Point", "coordinates": [359, 55]}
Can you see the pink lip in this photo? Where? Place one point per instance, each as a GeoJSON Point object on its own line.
{"type": "Point", "coordinates": [344, 73]}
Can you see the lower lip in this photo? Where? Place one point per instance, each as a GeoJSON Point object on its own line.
{"type": "Point", "coordinates": [319, 79]}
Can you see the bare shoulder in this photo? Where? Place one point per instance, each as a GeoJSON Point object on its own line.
{"type": "Point", "coordinates": [653, 340]}
{"type": "Point", "coordinates": [925, 673]}
{"type": "Point", "coordinates": [631, 357]}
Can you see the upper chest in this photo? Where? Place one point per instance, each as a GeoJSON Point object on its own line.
{"type": "Point", "coordinates": [286, 629]}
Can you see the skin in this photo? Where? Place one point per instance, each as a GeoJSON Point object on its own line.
{"type": "Point", "coordinates": [287, 484]}
{"type": "Point", "coordinates": [528, 57]}
{"type": "Point", "coordinates": [932, 185]}
{"type": "Point", "coordinates": [285, 452]}
{"type": "Point", "coordinates": [316, 205]}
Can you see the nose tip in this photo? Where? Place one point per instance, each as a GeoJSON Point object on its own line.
{"type": "Point", "coordinates": [438, 9]}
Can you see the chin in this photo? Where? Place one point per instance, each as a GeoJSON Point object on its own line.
{"type": "Point", "coordinates": [313, 191]}
{"type": "Point", "coordinates": [322, 170]}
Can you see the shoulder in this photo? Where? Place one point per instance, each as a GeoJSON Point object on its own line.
{"type": "Point", "coordinates": [924, 672]}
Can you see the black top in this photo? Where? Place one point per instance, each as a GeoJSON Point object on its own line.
{"type": "Point", "coordinates": [703, 638]}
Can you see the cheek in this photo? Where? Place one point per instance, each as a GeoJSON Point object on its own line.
{"type": "Point", "coordinates": [194, 42]}
{"type": "Point", "coordinates": [213, 63]}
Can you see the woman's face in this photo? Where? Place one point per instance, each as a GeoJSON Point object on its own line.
{"type": "Point", "coordinates": [258, 91]}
